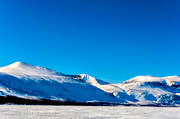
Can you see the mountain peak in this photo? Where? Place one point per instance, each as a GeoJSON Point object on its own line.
{"type": "Point", "coordinates": [17, 64]}
{"type": "Point", "coordinates": [22, 69]}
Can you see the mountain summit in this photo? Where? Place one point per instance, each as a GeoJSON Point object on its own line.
{"type": "Point", "coordinates": [23, 81]}
{"type": "Point", "coordinates": [33, 82]}
{"type": "Point", "coordinates": [22, 69]}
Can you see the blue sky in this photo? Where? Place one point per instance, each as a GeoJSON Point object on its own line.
{"type": "Point", "coordinates": [110, 39]}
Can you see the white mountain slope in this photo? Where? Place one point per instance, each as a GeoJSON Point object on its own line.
{"type": "Point", "coordinates": [27, 81]}
{"type": "Point", "coordinates": [149, 90]}
{"type": "Point", "coordinates": [33, 82]}
{"type": "Point", "coordinates": [114, 90]}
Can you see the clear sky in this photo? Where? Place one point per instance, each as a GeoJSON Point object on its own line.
{"type": "Point", "coordinates": [110, 39]}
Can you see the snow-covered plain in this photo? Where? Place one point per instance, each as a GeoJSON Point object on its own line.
{"type": "Point", "coordinates": [87, 112]}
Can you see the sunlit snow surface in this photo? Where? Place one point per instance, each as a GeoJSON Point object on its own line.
{"type": "Point", "coordinates": [87, 112]}
{"type": "Point", "coordinates": [26, 81]}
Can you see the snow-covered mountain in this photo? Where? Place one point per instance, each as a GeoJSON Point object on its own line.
{"type": "Point", "coordinates": [25, 81]}
{"type": "Point", "coordinates": [154, 90]}
{"type": "Point", "coordinates": [32, 82]}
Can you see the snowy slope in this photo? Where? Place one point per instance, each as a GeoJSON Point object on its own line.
{"type": "Point", "coordinates": [32, 82]}
{"type": "Point", "coordinates": [27, 81]}
{"type": "Point", "coordinates": [114, 90]}
{"type": "Point", "coordinates": [149, 90]}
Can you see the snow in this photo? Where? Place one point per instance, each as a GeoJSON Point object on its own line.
{"type": "Point", "coordinates": [168, 79]}
{"type": "Point", "coordinates": [89, 79]}
{"type": "Point", "coordinates": [150, 90]}
{"type": "Point", "coordinates": [87, 112]}
{"type": "Point", "coordinates": [21, 69]}
{"type": "Point", "coordinates": [33, 82]}
{"type": "Point", "coordinates": [26, 81]}
{"type": "Point", "coordinates": [145, 79]}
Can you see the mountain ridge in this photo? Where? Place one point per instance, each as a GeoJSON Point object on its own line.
{"type": "Point", "coordinates": [26, 81]}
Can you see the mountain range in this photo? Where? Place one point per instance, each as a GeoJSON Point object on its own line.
{"type": "Point", "coordinates": [22, 83]}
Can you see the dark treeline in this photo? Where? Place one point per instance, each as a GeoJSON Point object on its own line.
{"type": "Point", "coordinates": [22, 101]}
